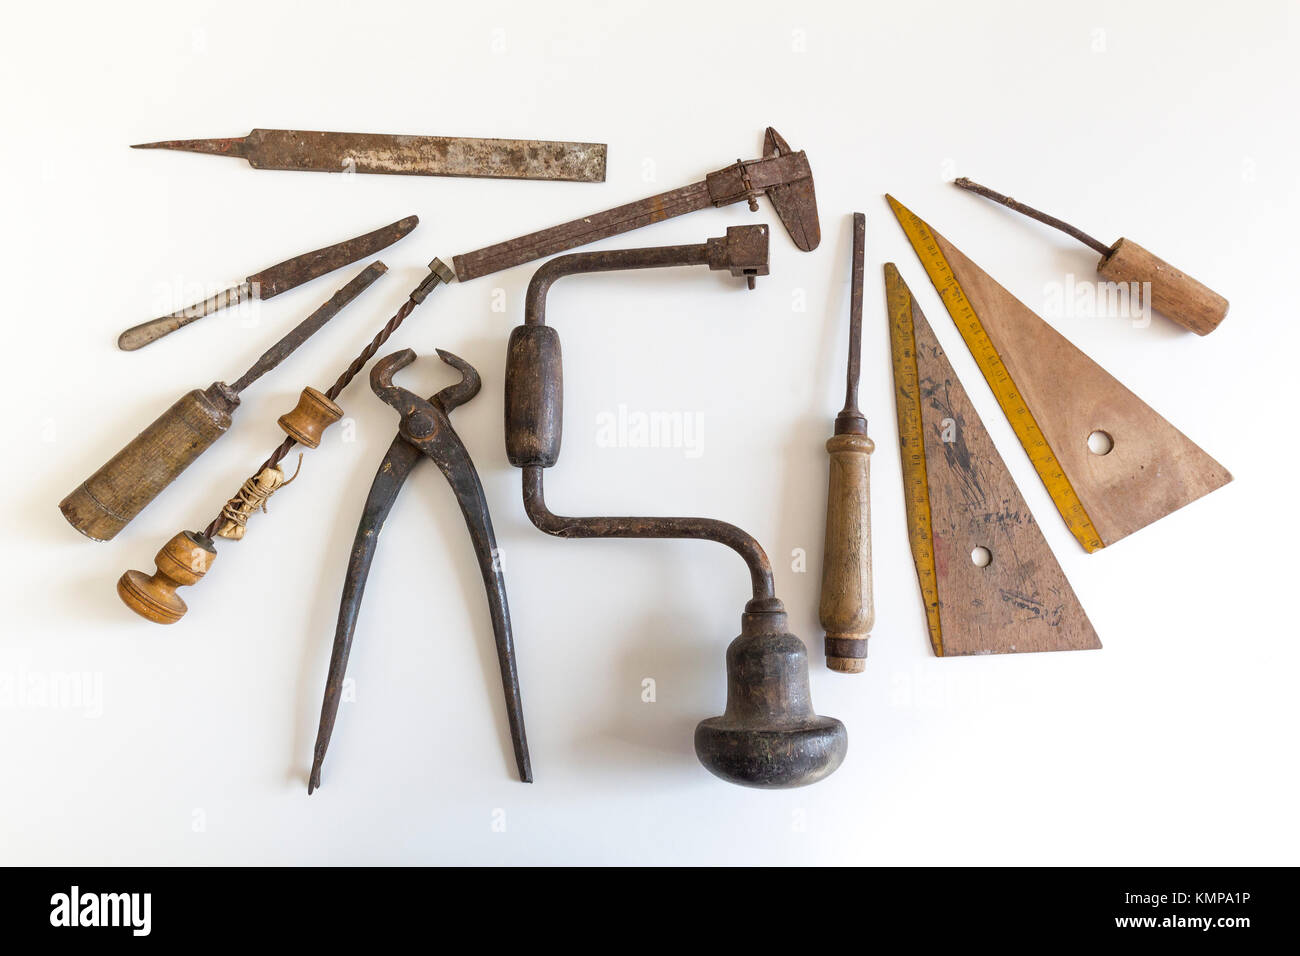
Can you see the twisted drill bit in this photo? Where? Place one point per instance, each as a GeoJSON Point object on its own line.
{"type": "Point", "coordinates": [438, 272]}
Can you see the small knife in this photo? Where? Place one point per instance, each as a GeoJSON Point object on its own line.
{"type": "Point", "coordinates": [271, 282]}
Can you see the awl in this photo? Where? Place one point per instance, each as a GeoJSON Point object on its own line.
{"type": "Point", "coordinates": [280, 277]}
{"type": "Point", "coordinates": [312, 151]}
{"type": "Point", "coordinates": [1174, 293]}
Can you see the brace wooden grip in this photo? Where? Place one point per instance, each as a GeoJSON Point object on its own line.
{"type": "Point", "coordinates": [1175, 294]}
{"type": "Point", "coordinates": [534, 396]}
{"type": "Point", "coordinates": [104, 503]}
{"type": "Point", "coordinates": [183, 560]}
{"type": "Point", "coordinates": [847, 609]}
{"type": "Point", "coordinates": [314, 413]}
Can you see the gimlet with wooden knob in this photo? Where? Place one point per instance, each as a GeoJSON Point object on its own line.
{"type": "Point", "coordinates": [847, 609]}
{"type": "Point", "coordinates": [1172, 292]}
{"type": "Point", "coordinates": [190, 554]}
{"type": "Point", "coordinates": [183, 560]}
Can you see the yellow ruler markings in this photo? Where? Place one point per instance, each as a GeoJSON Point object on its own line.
{"type": "Point", "coordinates": [911, 446]}
{"type": "Point", "coordinates": [999, 379]}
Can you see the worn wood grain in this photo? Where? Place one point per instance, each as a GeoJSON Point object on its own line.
{"type": "Point", "coordinates": [1152, 468]}
{"type": "Point", "coordinates": [307, 422]}
{"type": "Point", "coordinates": [1173, 292]}
{"type": "Point", "coordinates": [182, 561]}
{"type": "Point", "coordinates": [1020, 601]}
{"type": "Point", "coordinates": [847, 609]}
{"type": "Point", "coordinates": [105, 503]}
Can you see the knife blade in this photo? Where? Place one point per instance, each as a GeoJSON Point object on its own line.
{"type": "Point", "coordinates": [278, 278]}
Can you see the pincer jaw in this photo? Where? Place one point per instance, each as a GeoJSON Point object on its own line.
{"type": "Point", "coordinates": [460, 392]}
{"type": "Point", "coordinates": [381, 374]}
{"type": "Point", "coordinates": [420, 417]}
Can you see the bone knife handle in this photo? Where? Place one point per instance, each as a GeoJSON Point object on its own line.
{"type": "Point", "coordinates": [138, 336]}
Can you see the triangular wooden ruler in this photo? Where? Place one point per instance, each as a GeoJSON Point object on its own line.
{"type": "Point", "coordinates": [963, 507]}
{"type": "Point", "coordinates": [1056, 398]}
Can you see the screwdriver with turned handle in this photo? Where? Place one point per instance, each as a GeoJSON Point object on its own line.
{"type": "Point", "coordinates": [847, 609]}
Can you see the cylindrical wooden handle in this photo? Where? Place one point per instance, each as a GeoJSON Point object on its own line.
{"type": "Point", "coordinates": [106, 501]}
{"type": "Point", "coordinates": [534, 396]}
{"type": "Point", "coordinates": [183, 560]}
{"type": "Point", "coordinates": [847, 608]}
{"type": "Point", "coordinates": [1176, 294]}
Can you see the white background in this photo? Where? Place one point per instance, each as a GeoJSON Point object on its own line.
{"type": "Point", "coordinates": [1172, 123]}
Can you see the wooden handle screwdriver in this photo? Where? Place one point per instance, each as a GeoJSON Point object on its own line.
{"type": "Point", "coordinates": [847, 608]}
{"type": "Point", "coordinates": [188, 556]}
{"type": "Point", "coordinates": [104, 503]}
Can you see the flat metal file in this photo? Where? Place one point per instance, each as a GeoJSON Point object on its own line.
{"type": "Point", "coordinates": [312, 151]}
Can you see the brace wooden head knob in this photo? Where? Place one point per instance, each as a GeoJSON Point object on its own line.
{"type": "Point", "coordinates": [183, 560]}
{"type": "Point", "coordinates": [314, 413]}
{"type": "Point", "coordinates": [769, 736]}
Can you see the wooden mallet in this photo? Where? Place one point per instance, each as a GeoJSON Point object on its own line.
{"type": "Point", "coordinates": [1174, 293]}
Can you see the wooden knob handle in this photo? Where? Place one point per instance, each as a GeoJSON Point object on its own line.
{"type": "Point", "coordinates": [314, 413]}
{"type": "Point", "coordinates": [847, 609]}
{"type": "Point", "coordinates": [183, 560]}
{"type": "Point", "coordinates": [1175, 294]}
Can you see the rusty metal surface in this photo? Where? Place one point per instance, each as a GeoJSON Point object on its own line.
{"type": "Point", "coordinates": [769, 735]}
{"type": "Point", "coordinates": [701, 529]}
{"type": "Point", "coordinates": [425, 431]}
{"type": "Point", "coordinates": [271, 281]}
{"type": "Point", "coordinates": [438, 274]}
{"type": "Point", "coordinates": [1095, 244]}
{"type": "Point", "coordinates": [743, 251]}
{"type": "Point", "coordinates": [850, 419]}
{"type": "Point", "coordinates": [794, 198]}
{"type": "Point", "coordinates": [744, 248]}
{"type": "Point", "coordinates": [781, 174]}
{"type": "Point", "coordinates": [397, 154]}
{"type": "Point", "coordinates": [292, 273]}
{"type": "Point", "coordinates": [309, 326]}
